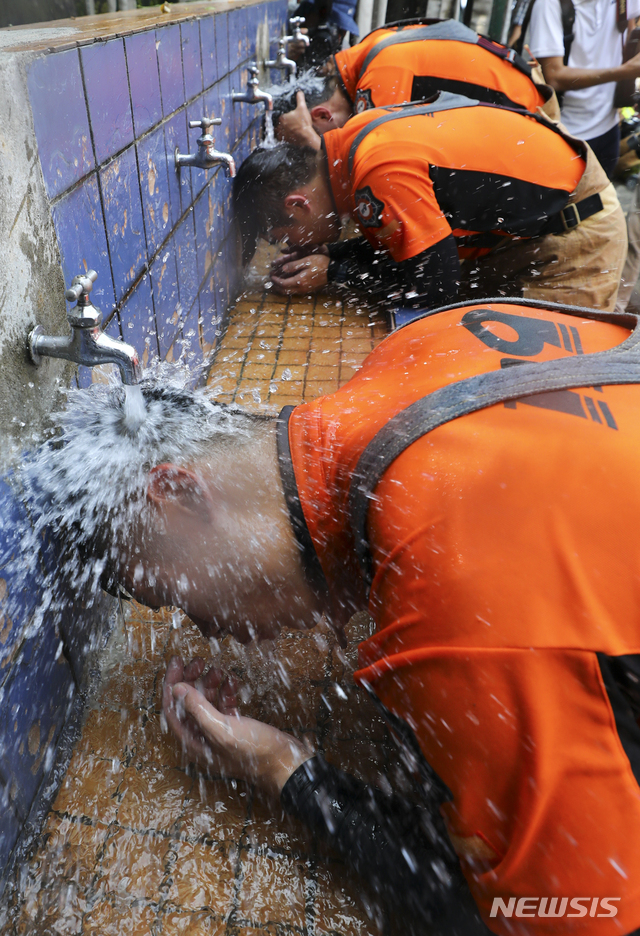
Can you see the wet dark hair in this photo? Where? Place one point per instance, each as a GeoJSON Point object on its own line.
{"type": "Point", "coordinates": [317, 89]}
{"type": "Point", "coordinates": [263, 182]}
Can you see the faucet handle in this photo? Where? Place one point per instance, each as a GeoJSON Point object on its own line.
{"type": "Point", "coordinates": [206, 123]}
{"type": "Point", "coordinates": [252, 68]}
{"type": "Point", "coordinates": [296, 22]}
{"type": "Point", "coordinates": [81, 285]}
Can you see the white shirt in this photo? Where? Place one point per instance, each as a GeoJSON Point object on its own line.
{"type": "Point", "coordinates": [587, 113]}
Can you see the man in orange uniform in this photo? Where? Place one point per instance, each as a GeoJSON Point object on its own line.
{"type": "Point", "coordinates": [415, 179]}
{"type": "Point", "coordinates": [396, 65]}
{"type": "Point", "coordinates": [476, 484]}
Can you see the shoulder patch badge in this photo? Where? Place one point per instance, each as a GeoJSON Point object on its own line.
{"type": "Point", "coordinates": [363, 101]}
{"type": "Point", "coordinates": [369, 207]}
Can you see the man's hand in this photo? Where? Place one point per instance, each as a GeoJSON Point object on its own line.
{"type": "Point", "coordinates": [219, 738]}
{"type": "Point", "coordinates": [299, 273]}
{"type": "Point", "coordinates": [297, 126]}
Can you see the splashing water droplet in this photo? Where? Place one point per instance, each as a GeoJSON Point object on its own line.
{"type": "Point", "coordinates": [269, 137]}
{"type": "Point", "coordinates": [134, 411]}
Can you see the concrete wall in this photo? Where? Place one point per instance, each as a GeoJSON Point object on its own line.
{"type": "Point", "coordinates": [90, 115]}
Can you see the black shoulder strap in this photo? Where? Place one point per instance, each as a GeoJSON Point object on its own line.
{"type": "Point", "coordinates": [451, 30]}
{"type": "Point", "coordinates": [620, 365]}
{"type": "Point", "coordinates": [568, 21]}
{"type": "Point", "coordinates": [622, 17]}
{"type": "Point", "coordinates": [445, 100]}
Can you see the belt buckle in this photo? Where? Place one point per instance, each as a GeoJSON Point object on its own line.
{"type": "Point", "coordinates": [573, 220]}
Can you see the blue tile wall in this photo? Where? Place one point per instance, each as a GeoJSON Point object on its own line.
{"type": "Point", "coordinates": [82, 238]}
{"type": "Point", "coordinates": [144, 80]}
{"type": "Point", "coordinates": [60, 119]}
{"type": "Point", "coordinates": [154, 235]}
{"type": "Point", "coordinates": [107, 97]}
{"type": "Point", "coordinates": [154, 187]}
{"type": "Point", "coordinates": [170, 68]}
{"type": "Point", "coordinates": [191, 61]}
{"type": "Point", "coordinates": [123, 219]}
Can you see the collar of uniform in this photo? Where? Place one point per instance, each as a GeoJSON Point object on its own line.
{"type": "Point", "coordinates": [336, 167]}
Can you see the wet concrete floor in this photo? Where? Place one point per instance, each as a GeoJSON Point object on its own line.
{"type": "Point", "coordinates": [136, 843]}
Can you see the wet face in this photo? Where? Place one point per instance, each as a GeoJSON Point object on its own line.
{"type": "Point", "coordinates": [228, 568]}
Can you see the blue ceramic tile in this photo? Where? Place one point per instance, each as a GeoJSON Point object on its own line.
{"type": "Point", "coordinates": [81, 236]}
{"type": "Point", "coordinates": [138, 322]}
{"type": "Point", "coordinates": [60, 120]}
{"type": "Point", "coordinates": [208, 50]}
{"type": "Point", "coordinates": [105, 76]}
{"type": "Point", "coordinates": [154, 185]}
{"type": "Point", "coordinates": [166, 299]}
{"type": "Point", "coordinates": [175, 134]}
{"type": "Point", "coordinates": [236, 38]}
{"type": "Point", "coordinates": [142, 64]}
{"type": "Point", "coordinates": [170, 67]}
{"type": "Point", "coordinates": [191, 64]}
{"type": "Point", "coordinates": [225, 134]}
{"type": "Point", "coordinates": [123, 217]}
{"type": "Point", "coordinates": [185, 250]}
{"type": "Point", "coordinates": [32, 714]}
{"type": "Point", "coordinates": [205, 218]}
{"type": "Point", "coordinates": [222, 44]}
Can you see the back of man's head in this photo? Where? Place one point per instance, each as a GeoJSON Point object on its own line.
{"type": "Point", "coordinates": [317, 89]}
{"type": "Point", "coordinates": [263, 182]}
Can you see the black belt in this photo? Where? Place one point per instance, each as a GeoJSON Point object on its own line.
{"type": "Point", "coordinates": [571, 216]}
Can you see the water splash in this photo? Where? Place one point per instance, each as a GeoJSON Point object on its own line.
{"type": "Point", "coordinates": [135, 410]}
{"type": "Point", "coordinates": [269, 140]}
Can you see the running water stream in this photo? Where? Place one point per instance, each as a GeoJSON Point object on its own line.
{"type": "Point", "coordinates": [269, 140]}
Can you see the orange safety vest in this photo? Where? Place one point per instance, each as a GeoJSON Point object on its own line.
{"type": "Point", "coordinates": [505, 571]}
{"type": "Point", "coordinates": [391, 66]}
{"type": "Point", "coordinates": [459, 167]}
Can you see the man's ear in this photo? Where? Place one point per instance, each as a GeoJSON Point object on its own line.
{"type": "Point", "coordinates": [174, 486]}
{"type": "Point", "coordinates": [321, 113]}
{"type": "Point", "coordinates": [296, 200]}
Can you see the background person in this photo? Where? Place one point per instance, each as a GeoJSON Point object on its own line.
{"type": "Point", "coordinates": [389, 66]}
{"type": "Point", "coordinates": [424, 182]}
{"type": "Point", "coordinates": [502, 580]}
{"type": "Point", "coordinates": [586, 72]}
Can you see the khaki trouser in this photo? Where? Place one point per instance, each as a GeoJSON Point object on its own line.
{"type": "Point", "coordinates": [578, 267]}
{"type": "Point", "coordinates": [631, 269]}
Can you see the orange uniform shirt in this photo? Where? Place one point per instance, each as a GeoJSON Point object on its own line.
{"type": "Point", "coordinates": [412, 71]}
{"type": "Point", "coordinates": [471, 169]}
{"type": "Point", "coordinates": [506, 555]}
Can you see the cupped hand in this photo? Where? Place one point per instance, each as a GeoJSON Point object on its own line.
{"type": "Point", "coordinates": [296, 253]}
{"type": "Point", "coordinates": [302, 275]}
{"type": "Point", "coordinates": [217, 737]}
{"type": "Point", "coordinates": [297, 126]}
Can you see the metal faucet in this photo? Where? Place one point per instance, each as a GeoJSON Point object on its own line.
{"type": "Point", "coordinates": [281, 61]}
{"type": "Point", "coordinates": [207, 156]}
{"type": "Point", "coordinates": [253, 94]}
{"type": "Point", "coordinates": [87, 344]}
{"type": "Point", "coordinates": [298, 36]}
